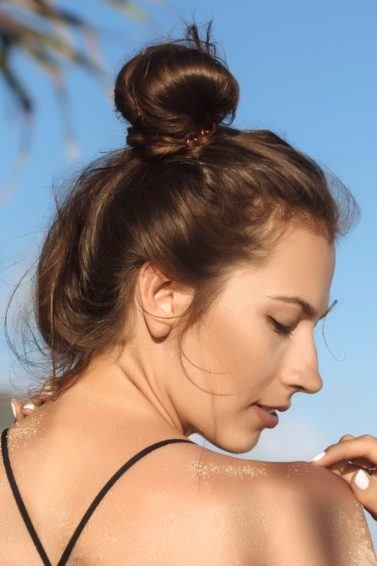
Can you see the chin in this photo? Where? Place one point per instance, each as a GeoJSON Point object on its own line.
{"type": "Point", "coordinates": [237, 444]}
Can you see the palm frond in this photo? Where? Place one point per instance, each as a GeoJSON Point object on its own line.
{"type": "Point", "coordinates": [48, 11]}
{"type": "Point", "coordinates": [128, 8]}
{"type": "Point", "coordinates": [20, 92]}
{"type": "Point", "coordinates": [42, 31]}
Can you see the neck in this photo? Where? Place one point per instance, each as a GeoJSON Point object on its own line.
{"type": "Point", "coordinates": [122, 393]}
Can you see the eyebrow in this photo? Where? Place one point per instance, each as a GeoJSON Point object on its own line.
{"type": "Point", "coordinates": [307, 308]}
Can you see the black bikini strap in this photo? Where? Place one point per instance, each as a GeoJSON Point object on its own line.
{"type": "Point", "coordinates": [106, 487]}
{"type": "Point", "coordinates": [18, 498]}
{"type": "Point", "coordinates": [92, 506]}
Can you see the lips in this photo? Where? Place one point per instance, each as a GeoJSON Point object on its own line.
{"type": "Point", "coordinates": [269, 419]}
{"type": "Point", "coordinates": [271, 408]}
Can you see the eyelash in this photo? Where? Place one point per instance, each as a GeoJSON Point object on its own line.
{"type": "Point", "coordinates": [280, 328]}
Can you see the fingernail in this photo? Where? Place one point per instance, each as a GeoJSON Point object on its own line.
{"type": "Point", "coordinates": [13, 408]}
{"type": "Point", "coordinates": [318, 457]}
{"type": "Point", "coordinates": [29, 405]}
{"type": "Point", "coordinates": [361, 479]}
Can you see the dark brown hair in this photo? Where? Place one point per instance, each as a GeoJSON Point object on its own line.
{"type": "Point", "coordinates": [196, 211]}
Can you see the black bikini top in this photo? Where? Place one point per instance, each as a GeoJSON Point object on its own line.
{"type": "Point", "coordinates": [92, 506]}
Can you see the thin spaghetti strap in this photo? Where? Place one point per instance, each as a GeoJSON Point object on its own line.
{"type": "Point", "coordinates": [106, 487]}
{"type": "Point", "coordinates": [18, 498]}
{"type": "Point", "coordinates": [93, 505]}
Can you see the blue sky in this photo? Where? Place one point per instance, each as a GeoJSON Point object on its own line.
{"type": "Point", "coordinates": [306, 71]}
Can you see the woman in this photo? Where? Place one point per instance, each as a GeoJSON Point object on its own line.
{"type": "Point", "coordinates": [177, 291]}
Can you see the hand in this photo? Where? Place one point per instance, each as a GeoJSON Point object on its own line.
{"type": "Point", "coordinates": [355, 460]}
{"type": "Point", "coordinates": [23, 408]}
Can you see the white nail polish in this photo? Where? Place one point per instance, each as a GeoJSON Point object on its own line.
{"type": "Point", "coordinates": [361, 479]}
{"type": "Point", "coordinates": [13, 408]}
{"type": "Point", "coordinates": [318, 457]}
{"type": "Point", "coordinates": [29, 405]}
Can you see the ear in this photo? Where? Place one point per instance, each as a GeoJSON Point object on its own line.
{"type": "Point", "coordinates": [163, 301]}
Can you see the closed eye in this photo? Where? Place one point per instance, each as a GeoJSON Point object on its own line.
{"type": "Point", "coordinates": [280, 328]}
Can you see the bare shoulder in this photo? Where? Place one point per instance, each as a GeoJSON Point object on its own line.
{"type": "Point", "coordinates": [294, 513]}
{"type": "Point", "coordinates": [278, 513]}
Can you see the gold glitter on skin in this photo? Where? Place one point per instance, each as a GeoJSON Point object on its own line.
{"type": "Point", "coordinates": [240, 471]}
{"type": "Point", "coordinates": [20, 432]}
{"type": "Point", "coordinates": [157, 528]}
{"type": "Point", "coordinates": [203, 472]}
{"type": "Point", "coordinates": [362, 553]}
{"type": "Point", "coordinates": [273, 520]}
{"type": "Point", "coordinates": [293, 469]}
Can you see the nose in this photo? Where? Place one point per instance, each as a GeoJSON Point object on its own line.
{"type": "Point", "coordinates": [301, 370]}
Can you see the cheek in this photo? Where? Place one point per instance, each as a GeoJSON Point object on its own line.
{"type": "Point", "coordinates": [238, 353]}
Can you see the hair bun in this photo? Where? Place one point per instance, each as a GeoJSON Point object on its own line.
{"type": "Point", "coordinates": [173, 90]}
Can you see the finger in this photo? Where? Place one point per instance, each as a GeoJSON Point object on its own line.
{"type": "Point", "coordinates": [17, 410]}
{"type": "Point", "coordinates": [362, 462]}
{"type": "Point", "coordinates": [13, 405]}
{"type": "Point", "coordinates": [28, 407]}
{"type": "Point", "coordinates": [31, 403]}
{"type": "Point", "coordinates": [345, 470]}
{"type": "Point", "coordinates": [49, 385]}
{"type": "Point", "coordinates": [363, 447]}
{"type": "Point", "coordinates": [35, 400]}
{"type": "Point", "coordinates": [45, 396]}
{"type": "Point", "coordinates": [357, 461]}
{"type": "Point", "coordinates": [365, 489]}
{"type": "Point", "coordinates": [346, 437]}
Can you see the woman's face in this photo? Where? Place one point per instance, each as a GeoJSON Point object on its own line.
{"type": "Point", "coordinates": [210, 379]}
{"type": "Point", "coordinates": [239, 355]}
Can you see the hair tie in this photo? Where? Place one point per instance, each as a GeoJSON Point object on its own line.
{"type": "Point", "coordinates": [190, 139]}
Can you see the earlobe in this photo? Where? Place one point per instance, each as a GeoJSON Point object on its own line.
{"type": "Point", "coordinates": [156, 299]}
{"type": "Point", "coordinates": [164, 314]}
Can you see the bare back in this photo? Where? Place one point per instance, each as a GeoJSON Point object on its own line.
{"type": "Point", "coordinates": [179, 504]}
